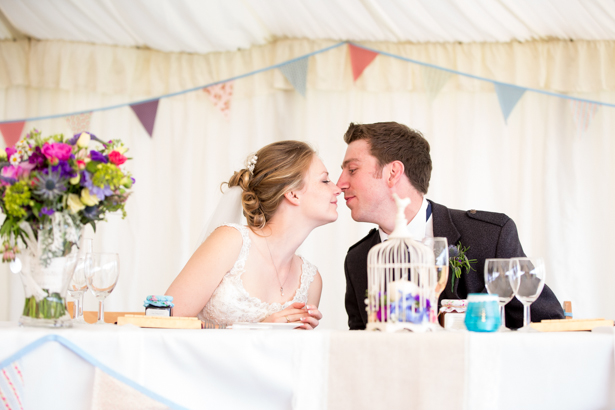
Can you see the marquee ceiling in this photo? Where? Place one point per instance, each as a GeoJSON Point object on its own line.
{"type": "Point", "coordinates": [203, 26]}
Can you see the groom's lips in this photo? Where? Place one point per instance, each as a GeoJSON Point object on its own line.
{"type": "Point", "coordinates": [348, 198]}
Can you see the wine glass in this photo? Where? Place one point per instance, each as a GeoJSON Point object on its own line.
{"type": "Point", "coordinates": [439, 246]}
{"type": "Point", "coordinates": [78, 283]}
{"type": "Point", "coordinates": [497, 281]}
{"type": "Point", "coordinates": [528, 280]}
{"type": "Point", "coordinates": [102, 271]}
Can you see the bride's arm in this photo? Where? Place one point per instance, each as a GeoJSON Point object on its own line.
{"type": "Point", "coordinates": [195, 284]}
{"type": "Point", "coordinates": [314, 315]}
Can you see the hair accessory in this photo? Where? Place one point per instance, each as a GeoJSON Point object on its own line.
{"type": "Point", "coordinates": [251, 164]}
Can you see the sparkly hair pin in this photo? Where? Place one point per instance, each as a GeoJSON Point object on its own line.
{"type": "Point", "coordinates": [251, 164]}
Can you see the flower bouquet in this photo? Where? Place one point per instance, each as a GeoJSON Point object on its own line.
{"type": "Point", "coordinates": [51, 187]}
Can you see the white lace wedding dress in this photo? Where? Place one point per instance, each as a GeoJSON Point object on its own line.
{"type": "Point", "coordinates": [231, 303]}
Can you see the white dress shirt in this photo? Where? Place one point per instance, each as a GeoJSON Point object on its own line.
{"type": "Point", "coordinates": [421, 226]}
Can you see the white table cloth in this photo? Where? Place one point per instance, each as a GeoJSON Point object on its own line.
{"type": "Point", "coordinates": [231, 369]}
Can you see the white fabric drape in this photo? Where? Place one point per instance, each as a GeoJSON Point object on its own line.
{"type": "Point", "coordinates": [556, 184]}
{"type": "Point", "coordinates": [196, 26]}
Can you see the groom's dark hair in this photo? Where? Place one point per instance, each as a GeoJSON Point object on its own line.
{"type": "Point", "coordinates": [391, 141]}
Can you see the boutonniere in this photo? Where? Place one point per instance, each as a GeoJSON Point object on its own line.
{"type": "Point", "coordinates": [458, 260]}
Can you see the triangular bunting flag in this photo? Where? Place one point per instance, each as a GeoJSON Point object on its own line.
{"type": "Point", "coordinates": [434, 80]}
{"type": "Point", "coordinates": [12, 387]}
{"type": "Point", "coordinates": [583, 113]}
{"type": "Point", "coordinates": [360, 58]}
{"type": "Point", "coordinates": [146, 113]}
{"type": "Point", "coordinates": [509, 96]}
{"type": "Point", "coordinates": [221, 95]}
{"type": "Point", "coordinates": [296, 74]}
{"type": "Point", "coordinates": [110, 393]}
{"type": "Point", "coordinates": [79, 122]}
{"type": "Point", "coordinates": [11, 131]}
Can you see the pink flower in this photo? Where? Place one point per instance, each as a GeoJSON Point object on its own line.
{"type": "Point", "coordinates": [10, 151]}
{"type": "Point", "coordinates": [57, 150]}
{"type": "Point", "coordinates": [80, 164]}
{"type": "Point", "coordinates": [117, 158]}
{"type": "Point", "coordinates": [16, 171]}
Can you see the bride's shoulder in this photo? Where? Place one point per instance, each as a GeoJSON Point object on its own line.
{"type": "Point", "coordinates": [226, 235]}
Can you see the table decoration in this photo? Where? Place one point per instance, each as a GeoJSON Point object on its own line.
{"type": "Point", "coordinates": [401, 281]}
{"type": "Point", "coordinates": [158, 305]}
{"type": "Point", "coordinates": [482, 313]}
{"type": "Point", "coordinates": [51, 187]}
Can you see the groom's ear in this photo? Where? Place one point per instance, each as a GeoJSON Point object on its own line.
{"type": "Point", "coordinates": [292, 197]}
{"type": "Point", "coordinates": [393, 172]}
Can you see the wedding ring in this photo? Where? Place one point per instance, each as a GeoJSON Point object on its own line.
{"type": "Point", "coordinates": [287, 320]}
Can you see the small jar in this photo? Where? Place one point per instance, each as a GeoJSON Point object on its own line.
{"type": "Point", "coordinates": [483, 313]}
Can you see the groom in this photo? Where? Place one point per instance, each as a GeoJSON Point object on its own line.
{"type": "Point", "coordinates": [387, 157]}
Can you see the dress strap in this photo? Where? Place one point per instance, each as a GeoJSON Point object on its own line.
{"type": "Point", "coordinates": [240, 263]}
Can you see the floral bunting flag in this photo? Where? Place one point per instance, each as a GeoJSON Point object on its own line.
{"type": "Point", "coordinates": [296, 74]}
{"type": "Point", "coordinates": [434, 80]}
{"type": "Point", "coordinates": [11, 131]}
{"type": "Point", "coordinates": [220, 96]}
{"type": "Point", "coordinates": [146, 113]}
{"type": "Point", "coordinates": [11, 387]}
{"type": "Point", "coordinates": [582, 114]}
{"type": "Point", "coordinates": [360, 58]}
{"type": "Point", "coordinates": [508, 96]}
{"type": "Point", "coordinates": [79, 122]}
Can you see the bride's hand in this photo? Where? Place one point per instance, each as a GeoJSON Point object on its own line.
{"type": "Point", "coordinates": [313, 318]}
{"type": "Point", "coordinates": [291, 314]}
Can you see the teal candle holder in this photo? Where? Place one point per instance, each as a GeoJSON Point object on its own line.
{"type": "Point", "coordinates": [483, 313]}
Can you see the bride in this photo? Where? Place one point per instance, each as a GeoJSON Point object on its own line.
{"type": "Point", "coordinates": [251, 273]}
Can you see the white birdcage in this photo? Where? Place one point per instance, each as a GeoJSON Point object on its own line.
{"type": "Point", "coordinates": [401, 279]}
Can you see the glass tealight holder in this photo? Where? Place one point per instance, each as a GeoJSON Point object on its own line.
{"type": "Point", "coordinates": [483, 313]}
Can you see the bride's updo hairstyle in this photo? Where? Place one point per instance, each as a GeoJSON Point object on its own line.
{"type": "Point", "coordinates": [280, 168]}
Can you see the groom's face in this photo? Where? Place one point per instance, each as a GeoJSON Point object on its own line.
{"type": "Point", "coordinates": [365, 190]}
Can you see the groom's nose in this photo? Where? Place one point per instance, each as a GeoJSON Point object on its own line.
{"type": "Point", "coordinates": [342, 183]}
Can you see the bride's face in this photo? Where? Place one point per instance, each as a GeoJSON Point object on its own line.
{"type": "Point", "coordinates": [319, 195]}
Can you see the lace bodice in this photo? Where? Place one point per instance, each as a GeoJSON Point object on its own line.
{"type": "Point", "coordinates": [231, 303]}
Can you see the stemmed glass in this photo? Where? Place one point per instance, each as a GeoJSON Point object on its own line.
{"type": "Point", "coordinates": [498, 274]}
{"type": "Point", "coordinates": [102, 271]}
{"type": "Point", "coordinates": [78, 284]}
{"type": "Point", "coordinates": [528, 280]}
{"type": "Point", "coordinates": [439, 245]}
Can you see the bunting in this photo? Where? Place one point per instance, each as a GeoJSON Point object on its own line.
{"type": "Point", "coordinates": [582, 114]}
{"type": "Point", "coordinates": [11, 387]}
{"type": "Point", "coordinates": [146, 113]}
{"type": "Point", "coordinates": [79, 122]}
{"type": "Point", "coordinates": [508, 96]}
{"type": "Point", "coordinates": [360, 58]}
{"type": "Point", "coordinates": [434, 80]}
{"type": "Point", "coordinates": [220, 96]}
{"type": "Point", "coordinates": [296, 74]}
{"type": "Point", "coordinates": [11, 131]}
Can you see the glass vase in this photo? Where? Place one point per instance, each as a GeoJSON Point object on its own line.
{"type": "Point", "coordinates": [45, 289]}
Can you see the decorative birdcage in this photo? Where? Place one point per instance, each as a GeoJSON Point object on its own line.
{"type": "Point", "coordinates": [401, 283]}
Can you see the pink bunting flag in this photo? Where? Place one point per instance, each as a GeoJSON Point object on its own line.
{"type": "Point", "coordinates": [11, 131]}
{"type": "Point", "coordinates": [79, 122]}
{"type": "Point", "coordinates": [221, 95]}
{"type": "Point", "coordinates": [360, 58]}
{"type": "Point", "coordinates": [146, 113]}
{"type": "Point", "coordinates": [582, 114]}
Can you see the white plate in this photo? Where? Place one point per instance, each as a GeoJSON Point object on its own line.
{"type": "Point", "coordinates": [264, 326]}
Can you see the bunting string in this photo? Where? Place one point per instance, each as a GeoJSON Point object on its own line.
{"type": "Point", "coordinates": [295, 71]}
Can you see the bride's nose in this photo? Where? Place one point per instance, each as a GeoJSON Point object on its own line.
{"type": "Point", "coordinates": [337, 190]}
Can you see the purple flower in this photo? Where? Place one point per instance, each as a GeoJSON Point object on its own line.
{"type": "Point", "coordinates": [86, 180]}
{"type": "Point", "coordinates": [97, 156]}
{"type": "Point", "coordinates": [37, 159]}
{"type": "Point", "coordinates": [46, 211]}
{"type": "Point", "coordinates": [101, 193]}
{"type": "Point", "coordinates": [64, 169]}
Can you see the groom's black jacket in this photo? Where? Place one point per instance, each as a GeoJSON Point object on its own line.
{"type": "Point", "coordinates": [487, 234]}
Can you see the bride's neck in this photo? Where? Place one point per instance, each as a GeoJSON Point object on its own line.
{"type": "Point", "coordinates": [284, 235]}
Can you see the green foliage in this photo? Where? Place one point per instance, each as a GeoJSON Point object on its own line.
{"type": "Point", "coordinates": [16, 197]}
{"type": "Point", "coordinates": [107, 174]}
{"type": "Point", "coordinates": [459, 263]}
